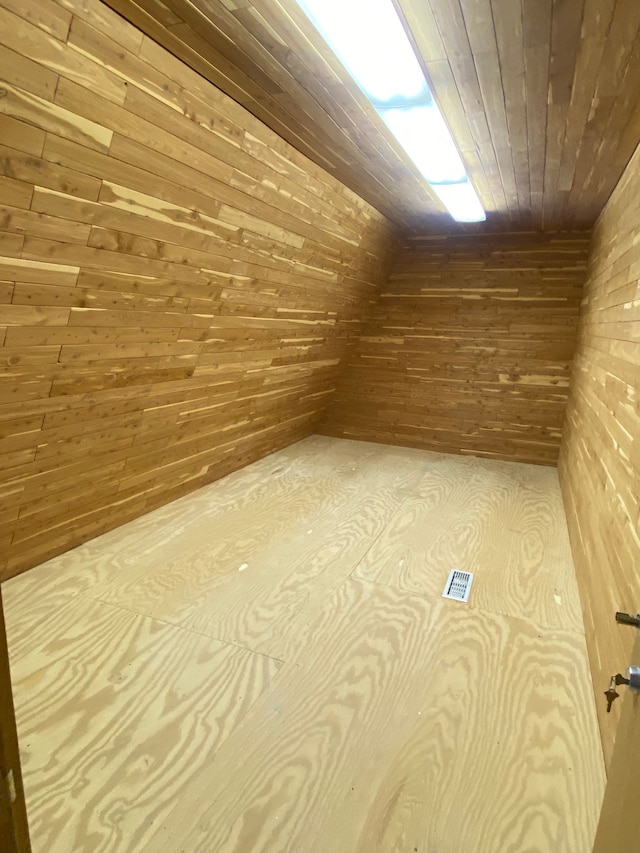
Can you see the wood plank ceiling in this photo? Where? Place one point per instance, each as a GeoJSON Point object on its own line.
{"type": "Point", "coordinates": [542, 96]}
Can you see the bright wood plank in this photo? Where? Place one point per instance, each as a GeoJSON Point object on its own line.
{"type": "Point", "coordinates": [162, 705]}
{"type": "Point", "coordinates": [389, 703]}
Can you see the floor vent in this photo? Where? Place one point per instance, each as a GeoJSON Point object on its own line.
{"type": "Point", "coordinates": [458, 585]}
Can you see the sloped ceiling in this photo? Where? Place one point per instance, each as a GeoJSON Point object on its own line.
{"type": "Point", "coordinates": [542, 96]}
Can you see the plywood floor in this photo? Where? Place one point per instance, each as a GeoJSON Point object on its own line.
{"type": "Point", "coordinates": [267, 666]}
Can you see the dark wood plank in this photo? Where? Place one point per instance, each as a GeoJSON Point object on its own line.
{"type": "Point", "coordinates": [468, 348]}
{"type": "Point", "coordinates": [173, 275]}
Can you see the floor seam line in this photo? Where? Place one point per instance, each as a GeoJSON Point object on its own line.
{"type": "Point", "coordinates": [181, 628]}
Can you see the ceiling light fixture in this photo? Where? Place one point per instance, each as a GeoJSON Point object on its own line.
{"type": "Point", "coordinates": [369, 39]}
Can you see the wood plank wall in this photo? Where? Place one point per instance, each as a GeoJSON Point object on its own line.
{"type": "Point", "coordinates": [268, 56]}
{"type": "Point", "coordinates": [468, 349]}
{"type": "Point", "coordinates": [600, 456]}
{"type": "Point", "coordinates": [178, 284]}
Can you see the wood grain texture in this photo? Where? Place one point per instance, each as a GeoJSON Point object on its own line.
{"type": "Point", "coordinates": [468, 348]}
{"type": "Point", "coordinates": [14, 828]}
{"type": "Point", "coordinates": [114, 710]}
{"type": "Point", "coordinates": [542, 97]}
{"type": "Point", "coordinates": [391, 706]}
{"type": "Point", "coordinates": [600, 458]}
{"type": "Point", "coordinates": [456, 694]}
{"type": "Point", "coordinates": [503, 522]}
{"type": "Point", "coordinates": [179, 285]}
{"type": "Point", "coordinates": [254, 585]}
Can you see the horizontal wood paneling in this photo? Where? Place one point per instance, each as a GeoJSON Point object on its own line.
{"type": "Point", "coordinates": [269, 58]}
{"type": "Point", "coordinates": [600, 457]}
{"type": "Point", "coordinates": [468, 348]}
{"type": "Point", "coordinates": [542, 97]}
{"type": "Point", "coordinates": [177, 283]}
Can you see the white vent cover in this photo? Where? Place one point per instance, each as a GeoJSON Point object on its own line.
{"type": "Point", "coordinates": [458, 585]}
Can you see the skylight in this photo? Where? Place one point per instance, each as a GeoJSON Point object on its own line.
{"type": "Point", "coordinates": [424, 136]}
{"type": "Point", "coordinates": [368, 38]}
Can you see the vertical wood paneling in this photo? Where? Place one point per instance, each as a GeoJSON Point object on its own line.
{"type": "Point", "coordinates": [468, 348]}
{"type": "Point", "coordinates": [600, 458]}
{"type": "Point", "coordinates": [177, 284]}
